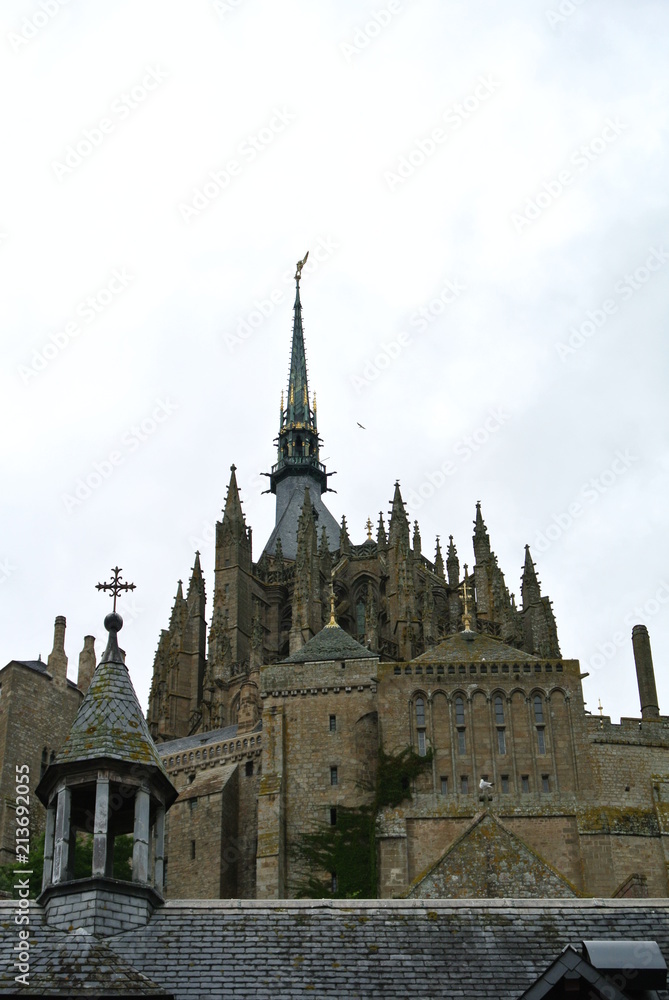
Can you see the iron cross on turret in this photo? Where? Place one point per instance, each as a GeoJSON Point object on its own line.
{"type": "Point", "coordinates": [115, 586]}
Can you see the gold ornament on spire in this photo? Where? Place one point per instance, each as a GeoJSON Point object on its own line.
{"type": "Point", "coordinates": [465, 593]}
{"type": "Point", "coordinates": [300, 265]}
{"type": "Point", "coordinates": [369, 527]}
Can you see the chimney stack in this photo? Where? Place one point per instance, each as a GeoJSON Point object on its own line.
{"type": "Point", "coordinates": [86, 664]}
{"type": "Point", "coordinates": [644, 672]}
{"type": "Point", "coordinates": [57, 662]}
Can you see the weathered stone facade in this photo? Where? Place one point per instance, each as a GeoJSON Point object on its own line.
{"type": "Point", "coordinates": [37, 708]}
{"type": "Point", "coordinates": [323, 658]}
{"type": "Point", "coordinates": [324, 652]}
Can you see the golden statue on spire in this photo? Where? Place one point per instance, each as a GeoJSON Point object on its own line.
{"type": "Point", "coordinates": [300, 265]}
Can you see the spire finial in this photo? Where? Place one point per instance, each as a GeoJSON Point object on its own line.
{"type": "Point", "coordinates": [333, 621]}
{"type": "Point", "coordinates": [115, 587]}
{"type": "Point", "coordinates": [300, 265]}
{"type": "Point", "coordinates": [369, 527]}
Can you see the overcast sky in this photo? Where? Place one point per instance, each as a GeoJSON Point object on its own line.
{"type": "Point", "coordinates": [483, 191]}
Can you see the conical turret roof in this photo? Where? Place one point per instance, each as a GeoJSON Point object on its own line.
{"type": "Point", "coordinates": [110, 723]}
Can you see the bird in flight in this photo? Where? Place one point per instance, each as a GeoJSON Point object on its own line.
{"type": "Point", "coordinates": [360, 425]}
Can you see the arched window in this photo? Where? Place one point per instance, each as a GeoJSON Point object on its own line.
{"type": "Point", "coordinates": [499, 722]}
{"type": "Point", "coordinates": [420, 712]}
{"type": "Point", "coordinates": [419, 707]}
{"type": "Point", "coordinates": [460, 723]}
{"type": "Point", "coordinates": [539, 722]}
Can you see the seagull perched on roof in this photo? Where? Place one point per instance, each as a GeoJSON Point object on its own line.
{"type": "Point", "coordinates": [485, 785]}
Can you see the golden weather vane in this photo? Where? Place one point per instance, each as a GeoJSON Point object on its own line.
{"type": "Point", "coordinates": [300, 265]}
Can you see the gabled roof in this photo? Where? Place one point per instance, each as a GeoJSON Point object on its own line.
{"type": "Point", "coordinates": [472, 647]}
{"type": "Point", "coordinates": [497, 864]}
{"type": "Point", "coordinates": [381, 949]}
{"type": "Point", "coordinates": [331, 643]}
{"type": "Point", "coordinates": [570, 965]}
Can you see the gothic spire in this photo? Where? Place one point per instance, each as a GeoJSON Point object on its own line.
{"type": "Point", "coordinates": [232, 512]}
{"type": "Point", "coordinates": [399, 524]}
{"type": "Point", "coordinates": [298, 440]}
{"type": "Point", "coordinates": [298, 386]}
{"type": "Point", "coordinates": [179, 609]}
{"type": "Point", "coordinates": [439, 560]}
{"type": "Point", "coordinates": [453, 564]}
{"type": "Point", "coordinates": [196, 584]}
{"type": "Point", "coordinates": [344, 540]}
{"type": "Point", "coordinates": [529, 587]}
{"type": "Point", "coordinates": [381, 532]}
{"type": "Point", "coordinates": [481, 539]}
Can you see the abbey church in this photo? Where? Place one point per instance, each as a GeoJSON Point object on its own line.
{"type": "Point", "coordinates": [325, 655]}
{"type": "Point", "coordinates": [355, 693]}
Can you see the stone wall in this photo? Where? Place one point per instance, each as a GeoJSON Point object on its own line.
{"type": "Point", "coordinates": [36, 715]}
{"type": "Point", "coordinates": [326, 758]}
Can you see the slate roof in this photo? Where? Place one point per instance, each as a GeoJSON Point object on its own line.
{"type": "Point", "coordinates": [69, 963]}
{"type": "Point", "coordinates": [288, 515]}
{"type": "Point", "coordinates": [459, 649]}
{"type": "Point", "coordinates": [331, 643]}
{"type": "Point", "coordinates": [197, 740]}
{"type": "Point", "coordinates": [390, 949]}
{"type": "Point", "coordinates": [39, 666]}
{"type": "Point", "coordinates": [207, 783]}
{"type": "Point", "coordinates": [110, 722]}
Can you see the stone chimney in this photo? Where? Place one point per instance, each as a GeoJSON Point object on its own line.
{"type": "Point", "coordinates": [86, 664]}
{"type": "Point", "coordinates": [644, 672]}
{"type": "Point", "coordinates": [57, 662]}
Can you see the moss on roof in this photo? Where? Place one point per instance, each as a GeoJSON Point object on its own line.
{"type": "Point", "coordinates": [110, 722]}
